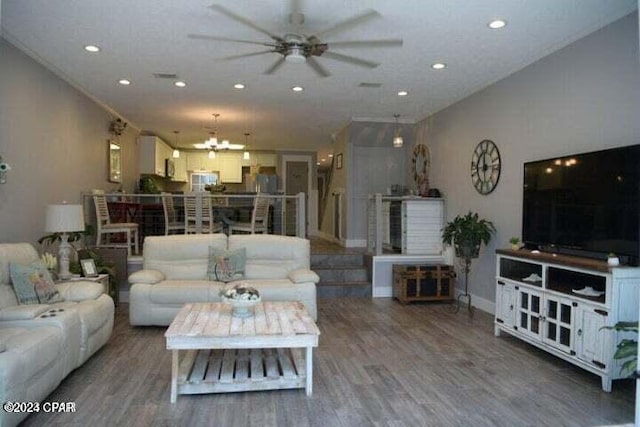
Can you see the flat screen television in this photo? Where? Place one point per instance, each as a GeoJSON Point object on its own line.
{"type": "Point", "coordinates": [585, 204]}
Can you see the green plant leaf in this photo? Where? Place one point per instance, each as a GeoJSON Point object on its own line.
{"type": "Point", "coordinates": [630, 366]}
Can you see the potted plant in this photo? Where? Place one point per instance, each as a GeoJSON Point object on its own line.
{"type": "Point", "coordinates": [515, 243]}
{"type": "Point", "coordinates": [466, 234]}
{"type": "Point", "coordinates": [627, 348]}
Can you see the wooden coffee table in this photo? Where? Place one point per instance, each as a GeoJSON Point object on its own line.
{"type": "Point", "coordinates": [230, 354]}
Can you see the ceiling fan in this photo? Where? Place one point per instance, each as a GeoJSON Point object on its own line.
{"type": "Point", "coordinates": [298, 47]}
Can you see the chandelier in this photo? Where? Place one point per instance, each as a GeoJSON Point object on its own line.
{"type": "Point", "coordinates": [212, 144]}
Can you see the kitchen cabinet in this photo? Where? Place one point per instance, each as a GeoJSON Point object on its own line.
{"type": "Point", "coordinates": [152, 154]}
{"type": "Point", "coordinates": [230, 167]}
{"type": "Point", "coordinates": [181, 168]}
{"type": "Point", "coordinates": [200, 161]}
{"type": "Point", "coordinates": [262, 159]}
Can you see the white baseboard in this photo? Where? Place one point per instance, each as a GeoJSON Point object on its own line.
{"type": "Point", "coordinates": [480, 303]}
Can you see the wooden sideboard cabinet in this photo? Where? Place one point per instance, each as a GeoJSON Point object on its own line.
{"type": "Point", "coordinates": [564, 304]}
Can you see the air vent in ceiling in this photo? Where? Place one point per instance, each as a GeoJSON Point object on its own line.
{"type": "Point", "coordinates": [171, 76]}
{"type": "Point", "coordinates": [366, 84]}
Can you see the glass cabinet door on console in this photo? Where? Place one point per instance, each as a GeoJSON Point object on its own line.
{"type": "Point", "coordinates": [558, 323]}
{"type": "Point", "coordinates": [529, 311]}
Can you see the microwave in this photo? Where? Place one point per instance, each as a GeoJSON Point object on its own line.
{"type": "Point", "coordinates": [169, 168]}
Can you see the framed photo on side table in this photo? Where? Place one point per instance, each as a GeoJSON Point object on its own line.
{"type": "Point", "coordinates": [88, 268]}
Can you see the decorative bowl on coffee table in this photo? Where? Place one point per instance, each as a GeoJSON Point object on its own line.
{"type": "Point", "coordinates": [241, 307]}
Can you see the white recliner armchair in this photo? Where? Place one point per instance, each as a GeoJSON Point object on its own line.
{"type": "Point", "coordinates": [40, 344]}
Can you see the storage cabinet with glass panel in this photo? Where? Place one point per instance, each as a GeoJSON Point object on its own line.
{"type": "Point", "coordinates": [563, 304]}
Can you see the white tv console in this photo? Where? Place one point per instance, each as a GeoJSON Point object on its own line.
{"type": "Point", "coordinates": [541, 299]}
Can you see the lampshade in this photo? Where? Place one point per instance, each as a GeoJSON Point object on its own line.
{"type": "Point", "coordinates": [64, 218]}
{"type": "Point", "coordinates": [212, 154]}
{"type": "Point", "coordinates": [246, 155]}
{"type": "Point", "coordinates": [176, 154]}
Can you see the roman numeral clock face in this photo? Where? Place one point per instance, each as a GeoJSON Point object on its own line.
{"type": "Point", "coordinates": [485, 167]}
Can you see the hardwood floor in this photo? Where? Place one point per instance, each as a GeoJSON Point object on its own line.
{"type": "Point", "coordinates": [378, 364]}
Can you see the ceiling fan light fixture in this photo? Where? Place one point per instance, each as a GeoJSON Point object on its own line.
{"type": "Point", "coordinates": [212, 154]}
{"type": "Point", "coordinates": [296, 55]}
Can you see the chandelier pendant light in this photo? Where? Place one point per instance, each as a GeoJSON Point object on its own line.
{"type": "Point", "coordinates": [398, 141]}
{"type": "Point", "coordinates": [246, 155]}
{"type": "Point", "coordinates": [176, 152]}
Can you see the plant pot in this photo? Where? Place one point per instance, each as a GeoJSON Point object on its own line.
{"type": "Point", "coordinates": [467, 250]}
{"type": "Point", "coordinates": [613, 261]}
{"type": "Point", "coordinates": [515, 247]}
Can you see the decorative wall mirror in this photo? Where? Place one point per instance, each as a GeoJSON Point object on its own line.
{"type": "Point", "coordinates": [420, 165]}
{"type": "Point", "coordinates": [115, 161]}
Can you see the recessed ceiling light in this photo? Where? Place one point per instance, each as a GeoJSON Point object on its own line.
{"type": "Point", "coordinates": [180, 83]}
{"type": "Point", "coordinates": [239, 86]}
{"type": "Point", "coordinates": [323, 160]}
{"type": "Point", "coordinates": [297, 88]}
{"type": "Point", "coordinates": [403, 93]}
{"type": "Point", "coordinates": [498, 23]}
{"type": "Point", "coordinates": [330, 155]}
{"type": "Point", "coordinates": [92, 48]}
{"type": "Point", "coordinates": [124, 82]}
{"type": "Point", "coordinates": [318, 163]}
{"type": "Point", "coordinates": [439, 66]}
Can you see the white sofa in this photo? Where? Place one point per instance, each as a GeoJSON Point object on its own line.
{"type": "Point", "coordinates": [175, 272]}
{"type": "Point", "coordinates": [41, 344]}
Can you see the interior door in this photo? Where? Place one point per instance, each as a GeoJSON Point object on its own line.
{"type": "Point", "coordinates": [297, 177]}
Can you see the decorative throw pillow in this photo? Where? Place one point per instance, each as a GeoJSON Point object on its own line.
{"type": "Point", "coordinates": [33, 284]}
{"type": "Point", "coordinates": [225, 266]}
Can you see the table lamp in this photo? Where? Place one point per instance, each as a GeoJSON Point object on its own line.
{"type": "Point", "coordinates": [64, 219]}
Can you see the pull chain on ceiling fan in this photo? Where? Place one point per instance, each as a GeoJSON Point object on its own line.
{"type": "Point", "coordinates": [297, 47]}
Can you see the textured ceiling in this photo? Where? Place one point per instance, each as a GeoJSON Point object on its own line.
{"type": "Point", "coordinates": [142, 37]}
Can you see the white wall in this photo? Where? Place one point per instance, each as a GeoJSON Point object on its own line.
{"type": "Point", "coordinates": [582, 98]}
{"type": "Point", "coordinates": [55, 139]}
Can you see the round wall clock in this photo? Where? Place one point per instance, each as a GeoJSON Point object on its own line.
{"type": "Point", "coordinates": [420, 163]}
{"type": "Point", "coordinates": [485, 167]}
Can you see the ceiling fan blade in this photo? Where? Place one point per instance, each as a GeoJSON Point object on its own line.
{"type": "Point", "coordinates": [322, 72]}
{"type": "Point", "coordinates": [275, 66]}
{"type": "Point", "coordinates": [244, 21]}
{"type": "Point", "coordinates": [349, 22]}
{"type": "Point", "coordinates": [350, 59]}
{"type": "Point", "coordinates": [244, 55]}
{"type": "Point", "coordinates": [226, 39]}
{"type": "Point", "coordinates": [368, 43]}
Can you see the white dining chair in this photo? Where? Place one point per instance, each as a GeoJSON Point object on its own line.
{"type": "Point", "coordinates": [107, 228]}
{"type": "Point", "coordinates": [170, 218]}
{"type": "Point", "coordinates": [259, 219]}
{"type": "Point", "coordinates": [191, 214]}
